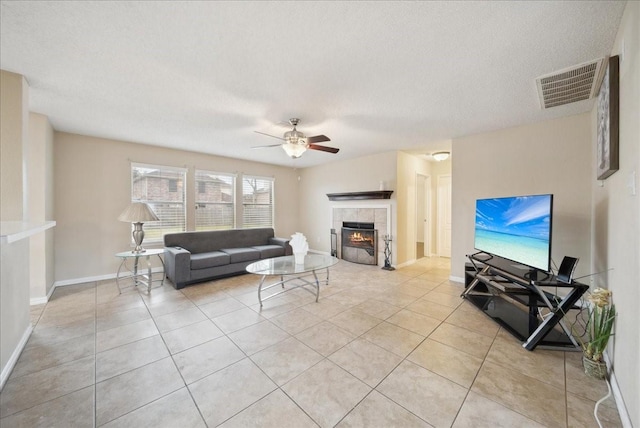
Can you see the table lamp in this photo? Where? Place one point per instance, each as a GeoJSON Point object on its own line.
{"type": "Point", "coordinates": [138, 213]}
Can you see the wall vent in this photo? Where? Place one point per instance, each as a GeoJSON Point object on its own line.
{"type": "Point", "coordinates": [577, 83]}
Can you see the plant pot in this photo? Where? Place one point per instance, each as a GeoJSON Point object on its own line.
{"type": "Point", "coordinates": [595, 369]}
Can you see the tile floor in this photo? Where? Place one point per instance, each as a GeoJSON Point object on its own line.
{"type": "Point", "coordinates": [380, 349]}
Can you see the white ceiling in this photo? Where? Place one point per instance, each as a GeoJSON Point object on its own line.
{"type": "Point", "coordinates": [373, 76]}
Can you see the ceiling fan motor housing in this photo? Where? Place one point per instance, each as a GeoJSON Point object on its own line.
{"type": "Point", "coordinates": [294, 137]}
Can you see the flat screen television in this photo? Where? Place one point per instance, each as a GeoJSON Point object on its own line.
{"type": "Point", "coordinates": [517, 228]}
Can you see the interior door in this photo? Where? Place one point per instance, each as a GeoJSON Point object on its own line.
{"type": "Point", "coordinates": [427, 217]}
{"type": "Point", "coordinates": [444, 215]}
{"type": "Point", "coordinates": [420, 216]}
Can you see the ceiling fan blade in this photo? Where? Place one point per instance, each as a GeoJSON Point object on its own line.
{"type": "Point", "coordinates": [264, 147]}
{"type": "Point", "coordinates": [323, 148]}
{"type": "Point", "coordinates": [268, 135]}
{"type": "Point", "coordinates": [317, 139]}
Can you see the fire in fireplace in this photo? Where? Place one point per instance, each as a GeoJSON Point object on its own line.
{"type": "Point", "coordinates": [359, 242]}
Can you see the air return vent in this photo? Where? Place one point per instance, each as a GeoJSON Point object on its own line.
{"type": "Point", "coordinates": [572, 84]}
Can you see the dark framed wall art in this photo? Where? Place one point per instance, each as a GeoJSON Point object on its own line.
{"type": "Point", "coordinates": [609, 120]}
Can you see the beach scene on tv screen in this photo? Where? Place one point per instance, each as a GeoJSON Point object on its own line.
{"type": "Point", "coordinates": [516, 228]}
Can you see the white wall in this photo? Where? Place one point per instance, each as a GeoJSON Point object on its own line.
{"type": "Point", "coordinates": [616, 215]}
{"type": "Point", "coordinates": [361, 174]}
{"type": "Point", "coordinates": [40, 204]}
{"type": "Point", "coordinates": [14, 257]}
{"type": "Point", "coordinates": [547, 157]}
{"type": "Point", "coordinates": [93, 186]}
{"type": "Point", "coordinates": [437, 169]}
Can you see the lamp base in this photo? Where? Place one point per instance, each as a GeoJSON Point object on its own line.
{"type": "Point", "coordinates": [138, 236]}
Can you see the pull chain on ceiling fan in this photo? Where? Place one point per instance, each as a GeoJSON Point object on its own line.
{"type": "Point", "coordinates": [295, 142]}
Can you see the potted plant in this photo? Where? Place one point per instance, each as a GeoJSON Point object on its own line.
{"type": "Point", "coordinates": [601, 316]}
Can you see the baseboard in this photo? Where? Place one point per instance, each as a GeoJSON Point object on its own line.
{"type": "Point", "coordinates": [6, 370]}
{"type": "Point", "coordinates": [94, 278]}
{"type": "Point", "coordinates": [617, 396]}
{"type": "Point", "coordinates": [326, 253]}
{"type": "Point", "coordinates": [39, 300]}
{"type": "Point", "coordinates": [456, 279]}
{"type": "Point", "coordinates": [75, 281]}
{"type": "Point", "coordinates": [405, 264]}
{"type": "Point", "coordinates": [45, 299]}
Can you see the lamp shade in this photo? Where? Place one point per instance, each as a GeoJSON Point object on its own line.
{"type": "Point", "coordinates": [138, 212]}
{"type": "Point", "coordinates": [294, 150]}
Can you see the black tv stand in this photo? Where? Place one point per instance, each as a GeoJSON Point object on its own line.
{"type": "Point", "coordinates": [512, 299]}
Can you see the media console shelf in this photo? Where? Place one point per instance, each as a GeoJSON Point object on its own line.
{"type": "Point", "coordinates": [513, 300]}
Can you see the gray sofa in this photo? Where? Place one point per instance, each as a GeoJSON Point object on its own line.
{"type": "Point", "coordinates": [191, 257]}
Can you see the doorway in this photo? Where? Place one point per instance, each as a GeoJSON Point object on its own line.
{"type": "Point", "coordinates": [423, 216]}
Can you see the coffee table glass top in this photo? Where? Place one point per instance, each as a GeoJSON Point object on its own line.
{"type": "Point", "coordinates": [286, 265]}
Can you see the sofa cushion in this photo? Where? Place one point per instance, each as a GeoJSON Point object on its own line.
{"type": "Point", "coordinates": [215, 240]}
{"type": "Point", "coordinates": [210, 259]}
{"type": "Point", "coordinates": [238, 255]}
{"type": "Point", "coordinates": [268, 251]}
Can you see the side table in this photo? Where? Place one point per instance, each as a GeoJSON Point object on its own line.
{"type": "Point", "coordinates": [139, 277]}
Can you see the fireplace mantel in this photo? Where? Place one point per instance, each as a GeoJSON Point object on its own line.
{"type": "Point", "coordinates": [351, 196]}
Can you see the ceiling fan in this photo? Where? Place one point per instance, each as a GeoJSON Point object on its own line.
{"type": "Point", "coordinates": [296, 143]}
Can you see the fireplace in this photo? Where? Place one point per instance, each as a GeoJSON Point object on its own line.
{"type": "Point", "coordinates": [359, 242]}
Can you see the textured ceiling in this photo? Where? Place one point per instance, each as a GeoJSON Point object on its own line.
{"type": "Point", "coordinates": [373, 76]}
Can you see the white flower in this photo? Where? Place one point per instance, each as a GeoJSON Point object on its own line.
{"type": "Point", "coordinates": [600, 297]}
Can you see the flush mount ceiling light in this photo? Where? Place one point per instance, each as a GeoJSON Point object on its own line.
{"type": "Point", "coordinates": [440, 156]}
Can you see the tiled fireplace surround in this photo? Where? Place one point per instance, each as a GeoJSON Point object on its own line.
{"type": "Point", "coordinates": [379, 215]}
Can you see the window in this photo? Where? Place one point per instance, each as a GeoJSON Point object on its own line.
{"type": "Point", "coordinates": [215, 201]}
{"type": "Point", "coordinates": [163, 188]}
{"type": "Point", "coordinates": [257, 202]}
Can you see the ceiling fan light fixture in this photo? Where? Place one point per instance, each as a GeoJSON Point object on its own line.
{"type": "Point", "coordinates": [294, 150]}
{"type": "Point", "coordinates": [440, 156]}
{"type": "Point", "coordinates": [293, 137]}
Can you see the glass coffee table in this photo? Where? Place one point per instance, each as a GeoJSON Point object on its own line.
{"type": "Point", "coordinates": [288, 270]}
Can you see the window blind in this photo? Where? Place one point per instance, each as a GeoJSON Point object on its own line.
{"type": "Point", "coordinates": [163, 188]}
{"type": "Point", "coordinates": [257, 202]}
{"type": "Point", "coordinates": [215, 201]}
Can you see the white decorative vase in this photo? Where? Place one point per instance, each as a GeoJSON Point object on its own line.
{"type": "Point", "coordinates": [299, 257]}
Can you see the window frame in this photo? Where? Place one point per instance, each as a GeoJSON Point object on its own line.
{"type": "Point", "coordinates": [150, 228]}
{"type": "Point", "coordinates": [271, 180]}
{"type": "Point", "coordinates": [197, 194]}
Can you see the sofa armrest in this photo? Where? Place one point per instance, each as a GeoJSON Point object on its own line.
{"type": "Point", "coordinates": [177, 265]}
{"type": "Point", "coordinates": [283, 242]}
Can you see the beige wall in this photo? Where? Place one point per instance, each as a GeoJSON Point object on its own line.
{"type": "Point", "coordinates": [13, 134]}
{"type": "Point", "coordinates": [616, 214]}
{"type": "Point", "coordinates": [40, 204]}
{"type": "Point", "coordinates": [547, 157]}
{"type": "Point", "coordinates": [92, 187]}
{"type": "Point", "coordinates": [361, 174]}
